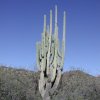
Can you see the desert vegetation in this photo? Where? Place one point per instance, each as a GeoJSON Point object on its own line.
{"type": "Point", "coordinates": [20, 84]}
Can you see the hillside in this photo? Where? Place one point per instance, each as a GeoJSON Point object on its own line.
{"type": "Point", "coordinates": [19, 84]}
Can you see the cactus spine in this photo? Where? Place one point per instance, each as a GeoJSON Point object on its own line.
{"type": "Point", "coordinates": [50, 59]}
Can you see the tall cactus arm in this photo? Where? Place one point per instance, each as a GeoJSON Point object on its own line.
{"type": "Point", "coordinates": [43, 35]}
{"type": "Point", "coordinates": [55, 17]}
{"type": "Point", "coordinates": [56, 46]}
{"type": "Point", "coordinates": [52, 50]}
{"type": "Point", "coordinates": [52, 55]}
{"type": "Point", "coordinates": [48, 29]}
{"type": "Point", "coordinates": [43, 43]}
{"type": "Point", "coordinates": [38, 55]}
{"type": "Point", "coordinates": [63, 41]}
{"type": "Point", "coordinates": [62, 63]}
{"type": "Point", "coordinates": [55, 55]}
{"type": "Point", "coordinates": [43, 63]}
{"type": "Point", "coordinates": [49, 47]}
{"type": "Point", "coordinates": [44, 28]}
{"type": "Point", "coordinates": [64, 30]}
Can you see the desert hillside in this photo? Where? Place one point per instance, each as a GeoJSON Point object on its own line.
{"type": "Point", "coordinates": [19, 84]}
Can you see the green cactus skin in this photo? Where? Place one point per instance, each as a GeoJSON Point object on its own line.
{"type": "Point", "coordinates": [50, 58]}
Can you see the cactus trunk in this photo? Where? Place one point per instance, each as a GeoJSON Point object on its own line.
{"type": "Point", "coordinates": [50, 58]}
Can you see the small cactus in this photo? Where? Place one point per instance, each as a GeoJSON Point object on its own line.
{"type": "Point", "coordinates": [50, 59]}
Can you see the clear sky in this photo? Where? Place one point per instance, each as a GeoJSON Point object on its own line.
{"type": "Point", "coordinates": [21, 25]}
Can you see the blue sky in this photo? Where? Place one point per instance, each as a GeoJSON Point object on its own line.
{"type": "Point", "coordinates": [21, 25]}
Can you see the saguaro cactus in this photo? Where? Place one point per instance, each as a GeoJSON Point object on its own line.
{"type": "Point", "coordinates": [50, 58]}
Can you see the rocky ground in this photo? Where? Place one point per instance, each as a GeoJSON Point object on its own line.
{"type": "Point", "coordinates": [19, 84]}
